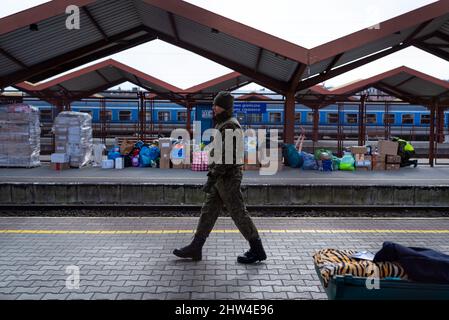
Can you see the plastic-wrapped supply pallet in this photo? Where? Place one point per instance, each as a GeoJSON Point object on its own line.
{"type": "Point", "coordinates": [73, 136]}
{"type": "Point", "coordinates": [20, 135]}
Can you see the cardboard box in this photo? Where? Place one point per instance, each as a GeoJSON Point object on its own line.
{"type": "Point", "coordinates": [359, 150]}
{"type": "Point", "coordinates": [60, 166]}
{"type": "Point", "coordinates": [387, 147]}
{"type": "Point", "coordinates": [165, 147]}
{"type": "Point", "coordinates": [392, 167]}
{"type": "Point", "coordinates": [390, 159]}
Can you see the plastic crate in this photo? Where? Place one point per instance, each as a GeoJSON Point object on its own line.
{"type": "Point", "coordinates": [349, 287]}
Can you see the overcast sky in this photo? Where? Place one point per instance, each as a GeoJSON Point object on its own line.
{"type": "Point", "coordinates": [306, 23]}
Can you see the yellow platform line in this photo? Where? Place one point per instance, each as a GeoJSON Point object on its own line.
{"type": "Point", "coordinates": [275, 231]}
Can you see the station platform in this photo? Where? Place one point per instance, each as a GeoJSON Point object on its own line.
{"type": "Point", "coordinates": [131, 258]}
{"type": "Point", "coordinates": [408, 187]}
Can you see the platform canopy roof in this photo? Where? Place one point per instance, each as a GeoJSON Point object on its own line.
{"type": "Point", "coordinates": [97, 78]}
{"type": "Point", "coordinates": [104, 75]}
{"type": "Point", "coordinates": [207, 90]}
{"type": "Point", "coordinates": [35, 44]}
{"type": "Point", "coordinates": [404, 83]}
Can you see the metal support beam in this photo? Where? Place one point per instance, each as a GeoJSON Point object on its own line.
{"type": "Point", "coordinates": [433, 50]}
{"type": "Point", "coordinates": [310, 82]}
{"type": "Point", "coordinates": [432, 134]}
{"type": "Point", "coordinates": [102, 76]}
{"type": "Point", "coordinates": [362, 116]}
{"type": "Point", "coordinates": [333, 63]}
{"type": "Point", "coordinates": [173, 26]}
{"type": "Point", "coordinates": [13, 59]}
{"type": "Point", "coordinates": [289, 118]}
{"type": "Point", "coordinates": [95, 23]}
{"type": "Point", "coordinates": [440, 125]}
{"type": "Point", "coordinates": [340, 132]}
{"type": "Point", "coordinates": [387, 124]}
{"type": "Point", "coordinates": [316, 122]}
{"type": "Point", "coordinates": [189, 119]}
{"type": "Point", "coordinates": [296, 77]}
{"type": "Point", "coordinates": [259, 58]}
{"type": "Point", "coordinates": [405, 81]}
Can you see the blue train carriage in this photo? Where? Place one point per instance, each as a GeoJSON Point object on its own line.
{"type": "Point", "coordinates": [170, 115]}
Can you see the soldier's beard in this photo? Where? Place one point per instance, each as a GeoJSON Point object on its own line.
{"type": "Point", "coordinates": [221, 117]}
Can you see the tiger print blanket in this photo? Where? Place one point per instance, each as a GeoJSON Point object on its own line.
{"type": "Point", "coordinates": [332, 262]}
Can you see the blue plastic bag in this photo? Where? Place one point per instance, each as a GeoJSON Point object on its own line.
{"type": "Point", "coordinates": [309, 161]}
{"type": "Point", "coordinates": [114, 153]}
{"type": "Point", "coordinates": [292, 156]}
{"type": "Point", "coordinates": [144, 157]}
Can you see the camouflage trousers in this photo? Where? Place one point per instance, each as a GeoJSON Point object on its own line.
{"type": "Point", "coordinates": [226, 193]}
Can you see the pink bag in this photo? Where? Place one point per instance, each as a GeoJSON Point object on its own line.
{"type": "Point", "coordinates": [200, 161]}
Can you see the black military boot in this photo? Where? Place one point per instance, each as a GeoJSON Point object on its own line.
{"type": "Point", "coordinates": [193, 250]}
{"type": "Point", "coordinates": [254, 254]}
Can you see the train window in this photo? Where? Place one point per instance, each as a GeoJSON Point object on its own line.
{"type": "Point", "coordinates": [297, 117]}
{"type": "Point", "coordinates": [309, 117]}
{"type": "Point", "coordinates": [182, 116]}
{"type": "Point", "coordinates": [124, 115]}
{"type": "Point", "coordinates": [254, 117]}
{"type": "Point", "coordinates": [332, 118]}
{"type": "Point", "coordinates": [371, 118]}
{"type": "Point", "coordinates": [148, 116]}
{"type": "Point", "coordinates": [275, 117]}
{"type": "Point", "coordinates": [46, 115]}
{"type": "Point", "coordinates": [425, 119]}
{"type": "Point", "coordinates": [163, 116]}
{"type": "Point", "coordinates": [107, 113]}
{"type": "Point", "coordinates": [407, 119]}
{"type": "Point", "coordinates": [388, 118]}
{"type": "Point", "coordinates": [351, 118]}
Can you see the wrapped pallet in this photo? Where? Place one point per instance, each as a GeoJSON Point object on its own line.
{"type": "Point", "coordinates": [20, 135]}
{"type": "Point", "coordinates": [73, 136]}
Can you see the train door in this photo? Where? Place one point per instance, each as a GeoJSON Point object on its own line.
{"type": "Point", "coordinates": [203, 114]}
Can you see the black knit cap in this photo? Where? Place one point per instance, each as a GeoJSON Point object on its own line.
{"type": "Point", "coordinates": [225, 100]}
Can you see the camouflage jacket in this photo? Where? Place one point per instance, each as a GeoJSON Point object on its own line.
{"type": "Point", "coordinates": [216, 169]}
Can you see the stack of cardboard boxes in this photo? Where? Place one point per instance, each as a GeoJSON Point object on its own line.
{"type": "Point", "coordinates": [73, 137]}
{"type": "Point", "coordinates": [19, 136]}
{"type": "Point", "coordinates": [387, 149]}
{"type": "Point", "coordinates": [363, 162]}
{"type": "Point", "coordinates": [165, 146]}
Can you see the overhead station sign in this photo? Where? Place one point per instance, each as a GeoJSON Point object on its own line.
{"type": "Point", "coordinates": [250, 107]}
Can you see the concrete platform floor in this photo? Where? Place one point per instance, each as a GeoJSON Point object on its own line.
{"type": "Point", "coordinates": [420, 176]}
{"type": "Point", "coordinates": [130, 258]}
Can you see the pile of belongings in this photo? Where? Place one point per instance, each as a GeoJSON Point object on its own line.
{"type": "Point", "coordinates": [137, 154]}
{"type": "Point", "coordinates": [332, 262]}
{"type": "Point", "coordinates": [73, 136]}
{"type": "Point", "coordinates": [19, 136]}
{"type": "Point", "coordinates": [392, 261]}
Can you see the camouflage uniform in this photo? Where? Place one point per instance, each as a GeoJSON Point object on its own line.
{"type": "Point", "coordinates": [226, 191]}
